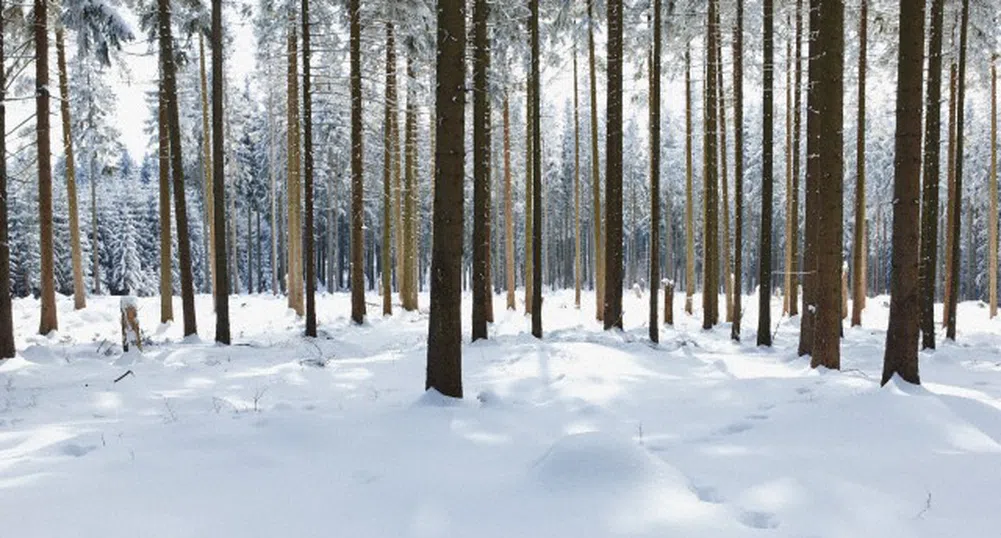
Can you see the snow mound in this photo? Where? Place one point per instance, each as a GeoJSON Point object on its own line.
{"type": "Point", "coordinates": [433, 398]}
{"type": "Point", "coordinates": [40, 355]}
{"type": "Point", "coordinates": [598, 461]}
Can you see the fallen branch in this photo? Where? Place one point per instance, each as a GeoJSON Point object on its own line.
{"type": "Point", "coordinates": [123, 376]}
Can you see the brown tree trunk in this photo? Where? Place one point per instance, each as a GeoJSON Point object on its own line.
{"type": "Point", "coordinates": [536, 173]}
{"type": "Point", "coordinates": [950, 206]}
{"type": "Point", "coordinates": [79, 292]}
{"type": "Point", "coordinates": [294, 188]}
{"type": "Point", "coordinates": [207, 166]}
{"type": "Point", "coordinates": [689, 199]}
{"type": "Point", "coordinates": [957, 201]}
{"type": "Point", "coordinates": [787, 274]}
{"type": "Point", "coordinates": [599, 237]}
{"type": "Point", "coordinates": [710, 152]}
{"type": "Point", "coordinates": [797, 122]}
{"type": "Point", "coordinates": [929, 195]}
{"type": "Point", "coordinates": [613, 171]}
{"type": "Point", "coordinates": [307, 145]}
{"type": "Point", "coordinates": [48, 322]}
{"type": "Point", "coordinates": [508, 208]}
{"type": "Point", "coordinates": [357, 179]}
{"type": "Point", "coordinates": [901, 356]}
{"type": "Point", "coordinates": [992, 271]}
{"type": "Point", "coordinates": [7, 349]}
{"type": "Point", "coordinates": [578, 275]}
{"type": "Point", "coordinates": [387, 174]}
{"type": "Point", "coordinates": [738, 166]}
{"type": "Point", "coordinates": [655, 175]}
{"type": "Point", "coordinates": [529, 214]}
{"type": "Point", "coordinates": [166, 257]}
{"type": "Point", "coordinates": [809, 266]}
{"type": "Point", "coordinates": [858, 254]}
{"type": "Point", "coordinates": [765, 256]}
{"type": "Point", "coordinates": [221, 269]}
{"type": "Point", "coordinates": [444, 355]}
{"type": "Point", "coordinates": [725, 206]}
{"type": "Point", "coordinates": [409, 194]}
{"type": "Point", "coordinates": [481, 167]}
{"type": "Point", "coordinates": [830, 43]}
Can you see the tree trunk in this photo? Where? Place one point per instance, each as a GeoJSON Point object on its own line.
{"type": "Point", "coordinates": [508, 208]}
{"type": "Point", "coordinates": [725, 205]}
{"type": "Point", "coordinates": [957, 201]}
{"type": "Point", "coordinates": [830, 43]}
{"type": "Point", "coordinates": [689, 201]}
{"type": "Point", "coordinates": [578, 275]}
{"type": "Point", "coordinates": [207, 166]}
{"type": "Point", "coordinates": [930, 187]}
{"type": "Point", "coordinates": [444, 355]}
{"type": "Point", "coordinates": [992, 270]}
{"type": "Point", "coordinates": [294, 276]}
{"type": "Point", "coordinates": [481, 167]}
{"type": "Point", "coordinates": [765, 257]}
{"type": "Point", "coordinates": [166, 257]}
{"type": "Point", "coordinates": [790, 216]}
{"type": "Point", "coordinates": [387, 174]}
{"type": "Point", "coordinates": [809, 266]}
{"type": "Point", "coordinates": [710, 242]}
{"type": "Point", "coordinates": [858, 271]}
{"type": "Point", "coordinates": [7, 349]}
{"type": "Point", "coordinates": [655, 175]}
{"type": "Point", "coordinates": [738, 167]}
{"type": "Point", "coordinates": [901, 356]}
{"type": "Point", "coordinates": [536, 173]}
{"type": "Point", "coordinates": [797, 122]}
{"type": "Point", "coordinates": [529, 214]}
{"type": "Point", "coordinates": [613, 171]}
{"type": "Point", "coordinates": [79, 292]}
{"type": "Point", "coordinates": [48, 322]}
{"type": "Point", "coordinates": [950, 207]}
{"type": "Point", "coordinates": [357, 179]}
{"type": "Point", "coordinates": [307, 144]}
{"type": "Point", "coordinates": [596, 217]}
{"type": "Point", "coordinates": [410, 227]}
{"type": "Point", "coordinates": [221, 271]}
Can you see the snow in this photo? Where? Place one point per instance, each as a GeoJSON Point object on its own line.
{"type": "Point", "coordinates": [584, 433]}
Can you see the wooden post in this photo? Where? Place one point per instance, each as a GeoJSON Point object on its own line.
{"type": "Point", "coordinates": [668, 302]}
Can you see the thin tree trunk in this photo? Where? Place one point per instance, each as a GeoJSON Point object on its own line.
{"type": "Point", "coordinates": [950, 206]}
{"type": "Point", "coordinates": [481, 168]}
{"type": "Point", "coordinates": [536, 173]}
{"type": "Point", "coordinates": [797, 122]}
{"type": "Point", "coordinates": [387, 173]}
{"type": "Point", "coordinates": [444, 355]}
{"type": "Point", "coordinates": [529, 200]}
{"type": "Point", "coordinates": [689, 201]}
{"type": "Point", "coordinates": [307, 143]}
{"type": "Point", "coordinates": [410, 194]}
{"type": "Point", "coordinates": [508, 208]}
{"type": "Point", "coordinates": [809, 267]}
{"type": "Point", "coordinates": [79, 292]}
{"type": "Point", "coordinates": [599, 238]}
{"type": "Point", "coordinates": [858, 271]}
{"type": "Point", "coordinates": [725, 274]}
{"type": "Point", "coordinates": [207, 165]}
{"type": "Point", "coordinates": [357, 179]}
{"type": "Point", "coordinates": [765, 257]}
{"type": "Point", "coordinates": [294, 276]}
{"type": "Point", "coordinates": [273, 176]}
{"type": "Point", "coordinates": [166, 257]}
{"type": "Point", "coordinates": [957, 201]}
{"type": "Point", "coordinates": [655, 175]}
{"type": "Point", "coordinates": [992, 225]}
{"type": "Point", "coordinates": [48, 321]}
{"type": "Point", "coordinates": [738, 167]}
{"type": "Point", "coordinates": [901, 356]}
{"type": "Point", "coordinates": [7, 349]}
{"type": "Point", "coordinates": [221, 271]}
{"type": "Point", "coordinates": [578, 276]}
{"type": "Point", "coordinates": [787, 274]}
{"type": "Point", "coordinates": [95, 245]}
{"type": "Point", "coordinates": [710, 134]}
{"type": "Point", "coordinates": [613, 170]}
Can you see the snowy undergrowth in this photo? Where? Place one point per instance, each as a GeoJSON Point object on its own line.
{"type": "Point", "coordinates": [582, 434]}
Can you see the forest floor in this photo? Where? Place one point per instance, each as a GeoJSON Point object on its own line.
{"type": "Point", "coordinates": [582, 434]}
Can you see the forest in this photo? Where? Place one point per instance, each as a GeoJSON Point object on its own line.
{"type": "Point", "coordinates": [562, 208]}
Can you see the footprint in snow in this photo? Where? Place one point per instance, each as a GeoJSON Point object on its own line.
{"type": "Point", "coordinates": [735, 428]}
{"type": "Point", "coordinates": [707, 494]}
{"type": "Point", "coordinates": [75, 450]}
{"type": "Point", "coordinates": [759, 520]}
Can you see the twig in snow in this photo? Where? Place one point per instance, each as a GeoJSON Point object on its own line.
{"type": "Point", "coordinates": [926, 508]}
{"type": "Point", "coordinates": [121, 377]}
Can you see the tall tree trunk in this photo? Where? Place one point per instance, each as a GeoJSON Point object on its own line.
{"type": "Point", "coordinates": [207, 165]}
{"type": "Point", "coordinates": [613, 170]}
{"type": "Point", "coordinates": [529, 141]}
{"type": "Point", "coordinates": [273, 176]}
{"type": "Point", "coordinates": [738, 166]}
{"type": "Point", "coordinates": [79, 292]}
{"type": "Point", "coordinates": [957, 201]}
{"type": "Point", "coordinates": [481, 167]}
{"type": "Point", "coordinates": [444, 355]}
{"type": "Point", "coordinates": [901, 356]}
{"type": "Point", "coordinates": [387, 173]}
{"type": "Point", "coordinates": [410, 192]}
{"type": "Point", "coordinates": [536, 173]}
{"type": "Point", "coordinates": [797, 122]}
{"type": "Point", "coordinates": [578, 274]}
{"type": "Point", "coordinates": [596, 217]}
{"type": "Point", "coordinates": [992, 225]}
{"type": "Point", "coordinates": [166, 257]}
{"type": "Point", "coordinates": [655, 175]}
{"type": "Point", "coordinates": [830, 106]}
{"type": "Point", "coordinates": [689, 199]}
{"type": "Point", "coordinates": [809, 266]}
{"type": "Point", "coordinates": [508, 208]}
{"type": "Point", "coordinates": [929, 195]}
{"type": "Point", "coordinates": [294, 276]}
{"type": "Point", "coordinates": [95, 245]}
{"type": "Point", "coordinates": [710, 134]}
{"type": "Point", "coordinates": [950, 206]}
{"type": "Point", "coordinates": [723, 179]}
{"type": "Point", "coordinates": [357, 179]}
{"type": "Point", "coordinates": [307, 145]}
{"type": "Point", "coordinates": [221, 271]}
{"type": "Point", "coordinates": [48, 321]}
{"type": "Point", "coordinates": [765, 256]}
{"type": "Point", "coordinates": [858, 254]}
{"type": "Point", "coordinates": [790, 216]}
{"type": "Point", "coordinates": [7, 349]}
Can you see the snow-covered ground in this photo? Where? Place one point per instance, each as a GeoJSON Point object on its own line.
{"type": "Point", "coordinates": [582, 434]}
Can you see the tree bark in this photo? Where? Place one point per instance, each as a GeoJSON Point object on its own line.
{"type": "Point", "coordinates": [765, 256]}
{"type": "Point", "coordinates": [166, 257]}
{"type": "Point", "coordinates": [357, 179]}
{"type": "Point", "coordinates": [738, 167]}
{"type": "Point", "coordinates": [689, 201]}
{"type": "Point", "coordinates": [957, 201]}
{"type": "Point", "coordinates": [7, 349]}
{"type": "Point", "coordinates": [992, 271]}
{"type": "Point", "coordinates": [950, 206]}
{"type": "Point", "coordinates": [307, 143]}
{"type": "Point", "coordinates": [901, 356]}
{"type": "Point", "coordinates": [481, 168]}
{"type": "Point", "coordinates": [410, 262]}
{"type": "Point", "coordinates": [809, 267]}
{"type": "Point", "coordinates": [536, 174]}
{"type": "Point", "coordinates": [929, 195]}
{"type": "Point", "coordinates": [207, 166]}
{"type": "Point", "coordinates": [387, 174]}
{"type": "Point", "coordinates": [613, 170]}
{"type": "Point", "coordinates": [790, 216]}
{"type": "Point", "coordinates": [578, 275]}
{"type": "Point", "coordinates": [797, 122]}
{"type": "Point", "coordinates": [508, 208]}
{"type": "Point", "coordinates": [596, 217]}
{"type": "Point", "coordinates": [294, 188]}
{"type": "Point", "coordinates": [655, 175]}
{"type": "Point", "coordinates": [723, 180]}
{"type": "Point", "coordinates": [48, 321]}
{"type": "Point", "coordinates": [529, 200]}
{"type": "Point", "coordinates": [444, 355]}
{"type": "Point", "coordinates": [858, 254]}
{"type": "Point", "coordinates": [221, 272]}
{"type": "Point", "coordinates": [79, 291]}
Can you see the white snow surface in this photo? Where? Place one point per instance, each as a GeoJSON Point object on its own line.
{"type": "Point", "coordinates": [582, 434]}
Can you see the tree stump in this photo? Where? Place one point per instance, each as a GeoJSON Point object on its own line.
{"type": "Point", "coordinates": [668, 302]}
{"type": "Point", "coordinates": [130, 324]}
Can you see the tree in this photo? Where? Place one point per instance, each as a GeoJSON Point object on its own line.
{"type": "Point", "coordinates": [901, 355]}
{"type": "Point", "coordinates": [829, 82]}
{"type": "Point", "coordinates": [578, 274]}
{"type": "Point", "coordinates": [481, 167]}
{"type": "Point", "coordinates": [307, 145]}
{"type": "Point", "coordinates": [765, 256]}
{"type": "Point", "coordinates": [48, 322]}
{"type": "Point", "coordinates": [444, 354]}
{"type": "Point", "coordinates": [950, 205]}
{"type": "Point", "coordinates": [357, 179]}
{"type": "Point", "coordinates": [957, 200]}
{"type": "Point", "coordinates": [723, 180]}
{"type": "Point", "coordinates": [166, 246]}
{"type": "Point", "coordinates": [508, 206]}
{"type": "Point", "coordinates": [858, 241]}
{"type": "Point", "coordinates": [536, 173]}
{"type": "Point", "coordinates": [7, 349]}
{"type": "Point", "coordinates": [710, 133]}
{"type": "Point", "coordinates": [613, 171]}
{"type": "Point", "coordinates": [738, 165]}
{"type": "Point", "coordinates": [410, 225]}
{"type": "Point", "coordinates": [79, 293]}
{"type": "Point", "coordinates": [387, 172]}
{"type": "Point", "coordinates": [207, 166]}
{"type": "Point", "coordinates": [655, 174]}
{"type": "Point", "coordinates": [599, 238]}
{"type": "Point", "coordinates": [689, 201]}
{"type": "Point", "coordinates": [797, 122]}
{"type": "Point", "coordinates": [929, 191]}
{"type": "Point", "coordinates": [992, 226]}
{"type": "Point", "coordinates": [294, 194]}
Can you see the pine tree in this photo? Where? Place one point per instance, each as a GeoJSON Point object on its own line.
{"type": "Point", "coordinates": [357, 185]}
{"type": "Point", "coordinates": [536, 172]}
{"type": "Point", "coordinates": [992, 226]}
{"type": "Point", "coordinates": [48, 322]}
{"type": "Point", "coordinates": [508, 207]}
{"type": "Point", "coordinates": [599, 237]}
{"type": "Point", "coordinates": [387, 171]}
{"type": "Point", "coordinates": [654, 174]}
{"type": "Point", "coordinates": [858, 253]}
{"type": "Point", "coordinates": [444, 353]}
{"type": "Point", "coordinates": [294, 188]}
{"type": "Point", "coordinates": [957, 200]}
{"type": "Point", "coordinates": [166, 244]}
{"type": "Point", "coordinates": [481, 168]}
{"type": "Point", "coordinates": [738, 166]}
{"type": "Point", "coordinates": [797, 122]}
{"type": "Point", "coordinates": [765, 255]}
{"type": "Point", "coordinates": [901, 356]}
{"type": "Point", "coordinates": [79, 293]}
{"type": "Point", "coordinates": [307, 146]}
{"type": "Point", "coordinates": [929, 195]}
{"type": "Point", "coordinates": [689, 201]}
{"type": "Point", "coordinates": [613, 171]}
{"type": "Point", "coordinates": [207, 164]}
{"type": "Point", "coordinates": [7, 349]}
